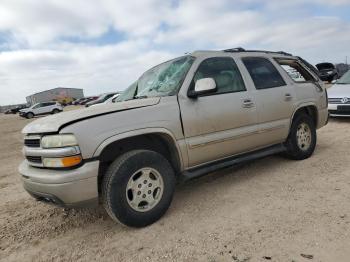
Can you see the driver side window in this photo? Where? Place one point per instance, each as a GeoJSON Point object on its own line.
{"type": "Point", "coordinates": [224, 71]}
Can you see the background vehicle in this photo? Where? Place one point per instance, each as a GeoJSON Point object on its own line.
{"type": "Point", "coordinates": [102, 98]}
{"type": "Point", "coordinates": [41, 109]}
{"type": "Point", "coordinates": [88, 99]}
{"type": "Point", "coordinates": [110, 100]}
{"type": "Point", "coordinates": [181, 119]}
{"type": "Point", "coordinates": [77, 102]}
{"type": "Point", "coordinates": [339, 97]}
{"type": "Point", "coordinates": [15, 110]}
{"type": "Point", "coordinates": [328, 72]}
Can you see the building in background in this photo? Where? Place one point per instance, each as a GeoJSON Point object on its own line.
{"type": "Point", "coordinates": [61, 94]}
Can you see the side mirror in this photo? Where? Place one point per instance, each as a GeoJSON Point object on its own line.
{"type": "Point", "coordinates": [203, 86]}
{"type": "Point", "coordinates": [334, 81]}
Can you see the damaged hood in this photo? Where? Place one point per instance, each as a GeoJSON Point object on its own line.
{"type": "Point", "coordinates": [53, 123]}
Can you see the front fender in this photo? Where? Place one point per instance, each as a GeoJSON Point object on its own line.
{"type": "Point", "coordinates": [179, 144]}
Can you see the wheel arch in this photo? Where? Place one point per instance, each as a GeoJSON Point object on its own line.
{"type": "Point", "coordinates": [308, 108]}
{"type": "Point", "coordinates": [157, 139]}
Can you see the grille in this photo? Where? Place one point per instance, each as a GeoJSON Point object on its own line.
{"type": "Point", "coordinates": [34, 159]}
{"type": "Point", "coordinates": [32, 142]}
{"type": "Point", "coordinates": [337, 101]}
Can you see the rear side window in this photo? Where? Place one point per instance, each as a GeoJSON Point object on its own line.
{"type": "Point", "coordinates": [295, 70]}
{"type": "Point", "coordinates": [224, 71]}
{"type": "Point", "coordinates": [263, 72]}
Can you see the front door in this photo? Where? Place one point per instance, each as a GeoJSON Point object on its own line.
{"type": "Point", "coordinates": [219, 124]}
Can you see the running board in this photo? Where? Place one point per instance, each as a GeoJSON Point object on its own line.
{"type": "Point", "coordinates": [231, 161]}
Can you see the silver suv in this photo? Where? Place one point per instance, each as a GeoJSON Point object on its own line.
{"type": "Point", "coordinates": [180, 120]}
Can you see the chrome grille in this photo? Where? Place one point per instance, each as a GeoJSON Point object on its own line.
{"type": "Point", "coordinates": [337, 101]}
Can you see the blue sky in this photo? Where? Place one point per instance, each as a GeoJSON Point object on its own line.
{"type": "Point", "coordinates": [105, 45]}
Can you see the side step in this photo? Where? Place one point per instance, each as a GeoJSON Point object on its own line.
{"type": "Point", "coordinates": [231, 161]}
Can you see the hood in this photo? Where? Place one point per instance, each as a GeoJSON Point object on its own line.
{"type": "Point", "coordinates": [53, 123]}
{"type": "Point", "coordinates": [339, 91]}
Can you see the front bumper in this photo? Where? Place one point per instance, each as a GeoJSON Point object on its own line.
{"type": "Point", "coordinates": [70, 188]}
{"type": "Point", "coordinates": [339, 110]}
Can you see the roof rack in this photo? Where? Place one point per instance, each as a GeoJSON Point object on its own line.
{"type": "Point", "coordinates": [240, 49]}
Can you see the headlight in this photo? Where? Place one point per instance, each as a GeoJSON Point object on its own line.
{"type": "Point", "coordinates": [54, 141]}
{"type": "Point", "coordinates": [62, 162]}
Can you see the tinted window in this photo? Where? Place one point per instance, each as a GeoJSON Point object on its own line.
{"type": "Point", "coordinates": [47, 104]}
{"type": "Point", "coordinates": [263, 72]}
{"type": "Point", "coordinates": [225, 73]}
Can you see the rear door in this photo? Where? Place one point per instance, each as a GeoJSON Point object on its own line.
{"type": "Point", "coordinates": [274, 98]}
{"type": "Point", "coordinates": [222, 123]}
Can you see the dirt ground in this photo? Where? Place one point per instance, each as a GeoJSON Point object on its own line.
{"type": "Point", "coordinates": [269, 210]}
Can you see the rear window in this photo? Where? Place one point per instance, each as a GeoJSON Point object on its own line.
{"type": "Point", "coordinates": [295, 70]}
{"type": "Point", "coordinates": [263, 73]}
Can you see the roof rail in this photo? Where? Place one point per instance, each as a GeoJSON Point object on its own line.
{"type": "Point", "coordinates": [240, 49]}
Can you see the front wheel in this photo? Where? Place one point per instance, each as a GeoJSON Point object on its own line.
{"type": "Point", "coordinates": [138, 188]}
{"type": "Point", "coordinates": [302, 138]}
{"type": "Point", "coordinates": [29, 115]}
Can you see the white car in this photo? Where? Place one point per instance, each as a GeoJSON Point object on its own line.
{"type": "Point", "coordinates": [339, 97]}
{"type": "Point", "coordinates": [110, 100]}
{"type": "Point", "coordinates": [41, 109]}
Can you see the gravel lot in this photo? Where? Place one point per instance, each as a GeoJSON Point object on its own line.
{"type": "Point", "coordinates": [269, 210]}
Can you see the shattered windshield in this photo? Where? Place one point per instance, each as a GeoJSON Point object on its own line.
{"type": "Point", "coordinates": [162, 80]}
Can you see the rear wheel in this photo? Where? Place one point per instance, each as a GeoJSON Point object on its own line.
{"type": "Point", "coordinates": [29, 115]}
{"type": "Point", "coordinates": [302, 138]}
{"type": "Point", "coordinates": [55, 111]}
{"type": "Point", "coordinates": [138, 188]}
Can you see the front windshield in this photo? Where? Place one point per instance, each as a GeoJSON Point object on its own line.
{"type": "Point", "coordinates": [162, 80]}
{"type": "Point", "coordinates": [345, 79]}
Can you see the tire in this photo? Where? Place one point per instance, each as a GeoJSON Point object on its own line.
{"type": "Point", "coordinates": [29, 115]}
{"type": "Point", "coordinates": [301, 144]}
{"type": "Point", "coordinates": [55, 111]}
{"type": "Point", "coordinates": [137, 170]}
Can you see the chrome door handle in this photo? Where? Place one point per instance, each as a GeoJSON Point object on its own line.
{"type": "Point", "coordinates": [247, 103]}
{"type": "Point", "coordinates": [288, 97]}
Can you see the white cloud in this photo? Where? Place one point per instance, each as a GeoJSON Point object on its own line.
{"type": "Point", "coordinates": [38, 56]}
